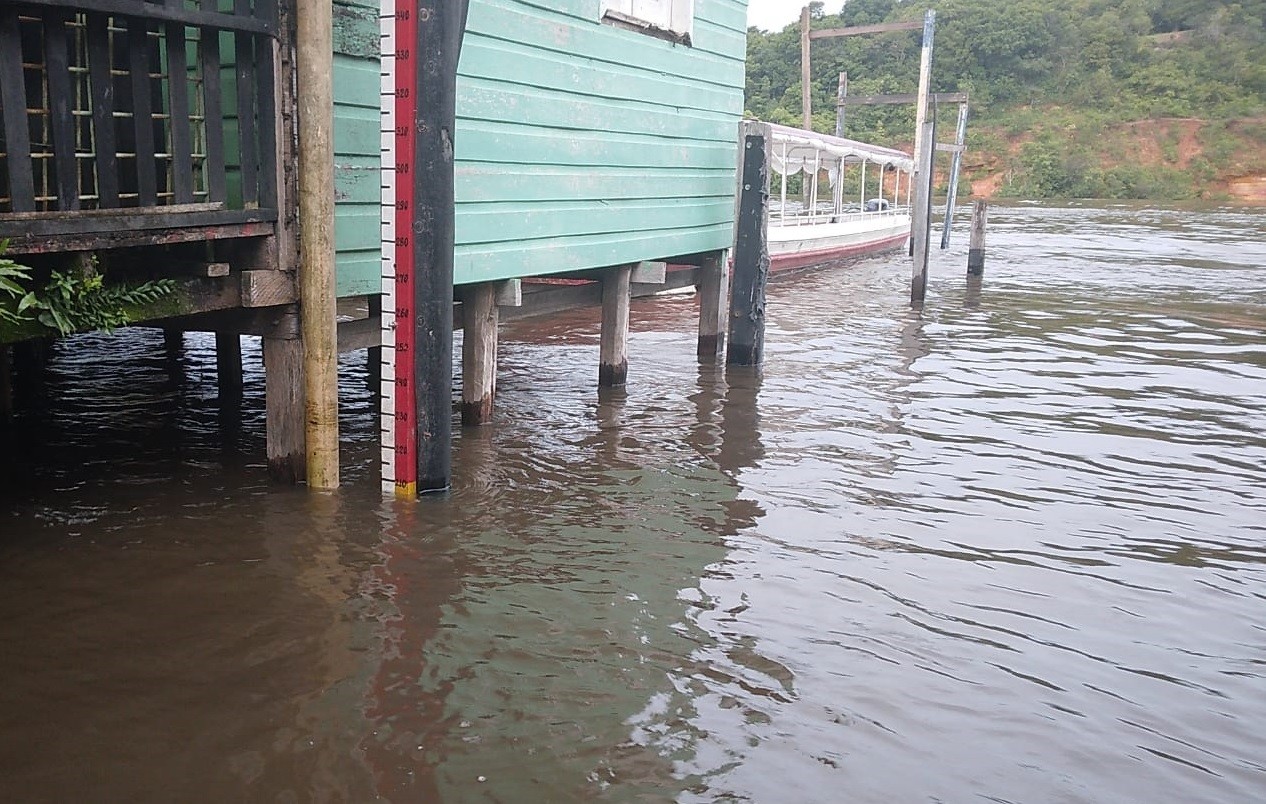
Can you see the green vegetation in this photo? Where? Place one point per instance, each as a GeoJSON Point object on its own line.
{"type": "Point", "coordinates": [1160, 99]}
{"type": "Point", "coordinates": [69, 301]}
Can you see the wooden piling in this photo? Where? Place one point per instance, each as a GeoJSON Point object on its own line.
{"type": "Point", "coordinates": [319, 332]}
{"type": "Point", "coordinates": [712, 297]}
{"type": "Point", "coordinates": [440, 26]}
{"type": "Point", "coordinates": [284, 409]}
{"type": "Point", "coordinates": [976, 248]}
{"type": "Point", "coordinates": [745, 342]}
{"type": "Point", "coordinates": [228, 365]}
{"type": "Point", "coordinates": [613, 365]}
{"type": "Point", "coordinates": [6, 383]}
{"type": "Point", "coordinates": [173, 343]}
{"type": "Point", "coordinates": [806, 94]}
{"type": "Point", "coordinates": [841, 93]}
{"type": "Point", "coordinates": [925, 80]}
{"type": "Point", "coordinates": [479, 352]}
{"type": "Point", "coordinates": [921, 213]}
{"type": "Point", "coordinates": [956, 164]}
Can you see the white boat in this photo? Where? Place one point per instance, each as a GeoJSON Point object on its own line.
{"type": "Point", "coordinates": [831, 227]}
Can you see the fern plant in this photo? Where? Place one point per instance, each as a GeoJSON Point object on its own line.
{"type": "Point", "coordinates": [75, 302]}
{"type": "Point", "coordinates": [12, 289]}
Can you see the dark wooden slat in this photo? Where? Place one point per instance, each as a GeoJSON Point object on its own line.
{"type": "Point", "coordinates": [268, 144]}
{"type": "Point", "coordinates": [102, 92]}
{"type": "Point", "coordinates": [142, 112]}
{"type": "Point", "coordinates": [17, 135]}
{"type": "Point", "coordinates": [75, 231]}
{"type": "Point", "coordinates": [178, 98]}
{"type": "Point", "coordinates": [246, 83]}
{"type": "Point", "coordinates": [62, 123]}
{"type": "Point", "coordinates": [213, 108]}
{"type": "Point", "coordinates": [172, 12]}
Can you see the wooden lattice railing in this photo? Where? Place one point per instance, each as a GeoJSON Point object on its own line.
{"type": "Point", "coordinates": [135, 114]}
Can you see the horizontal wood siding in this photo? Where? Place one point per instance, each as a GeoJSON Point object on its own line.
{"type": "Point", "coordinates": [582, 145]}
{"type": "Point", "coordinates": [356, 148]}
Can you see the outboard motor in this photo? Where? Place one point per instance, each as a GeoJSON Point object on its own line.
{"type": "Point", "coordinates": [876, 205]}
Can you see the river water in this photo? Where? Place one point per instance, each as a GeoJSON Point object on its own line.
{"type": "Point", "coordinates": [1010, 548]}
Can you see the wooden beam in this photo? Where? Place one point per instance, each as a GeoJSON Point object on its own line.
{"type": "Point", "coordinates": [949, 148]}
{"type": "Point", "coordinates": [858, 30]}
{"type": "Point", "coordinates": [360, 333]}
{"type": "Point", "coordinates": [284, 408]}
{"type": "Point", "coordinates": [479, 353]}
{"type": "Point", "coordinates": [510, 293]}
{"type": "Point", "coordinates": [266, 288]}
{"type": "Point", "coordinates": [314, 75]}
{"type": "Point", "coordinates": [899, 98]}
{"type": "Point", "coordinates": [613, 366]}
{"type": "Point", "coordinates": [712, 297]}
{"type": "Point", "coordinates": [649, 273]}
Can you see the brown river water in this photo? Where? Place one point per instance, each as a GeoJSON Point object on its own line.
{"type": "Point", "coordinates": [1008, 548]}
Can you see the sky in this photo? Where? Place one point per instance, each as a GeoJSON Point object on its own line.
{"type": "Point", "coordinates": [773, 15]}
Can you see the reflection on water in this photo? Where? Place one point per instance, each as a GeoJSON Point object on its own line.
{"type": "Point", "coordinates": [1010, 546]}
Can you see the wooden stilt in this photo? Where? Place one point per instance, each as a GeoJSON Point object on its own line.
{"type": "Point", "coordinates": [712, 298]}
{"type": "Point", "coordinates": [373, 362]}
{"type": "Point", "coordinates": [173, 342]}
{"type": "Point", "coordinates": [284, 408]}
{"type": "Point", "coordinates": [228, 365]}
{"type": "Point", "coordinates": [479, 353]}
{"type": "Point", "coordinates": [745, 344]}
{"type": "Point", "coordinates": [613, 367]}
{"type": "Point", "coordinates": [976, 248]}
{"type": "Point", "coordinates": [315, 73]}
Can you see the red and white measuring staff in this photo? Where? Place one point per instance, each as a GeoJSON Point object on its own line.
{"type": "Point", "coordinates": [398, 29]}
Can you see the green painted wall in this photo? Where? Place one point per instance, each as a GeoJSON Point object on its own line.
{"type": "Point", "coordinates": [357, 193]}
{"type": "Point", "coordinates": [578, 145]}
{"type": "Point", "coordinates": [581, 145]}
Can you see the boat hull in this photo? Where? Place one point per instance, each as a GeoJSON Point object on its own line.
{"type": "Point", "coordinates": [793, 247]}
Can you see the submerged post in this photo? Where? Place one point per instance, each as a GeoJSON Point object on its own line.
{"type": "Point", "coordinates": [712, 287]}
{"type": "Point", "coordinates": [479, 353]}
{"type": "Point", "coordinates": [613, 346]}
{"type": "Point", "coordinates": [318, 328]}
{"type": "Point", "coordinates": [440, 25]}
{"type": "Point", "coordinates": [746, 340]}
{"type": "Point", "coordinates": [976, 249]}
{"type": "Point", "coordinates": [921, 213]}
{"type": "Point", "coordinates": [228, 365]}
{"type": "Point", "coordinates": [960, 139]}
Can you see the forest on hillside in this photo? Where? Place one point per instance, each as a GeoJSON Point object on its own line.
{"type": "Point", "coordinates": [1085, 98]}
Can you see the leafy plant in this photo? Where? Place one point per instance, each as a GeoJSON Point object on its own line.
{"type": "Point", "coordinates": [11, 276]}
{"type": "Point", "coordinates": [78, 301]}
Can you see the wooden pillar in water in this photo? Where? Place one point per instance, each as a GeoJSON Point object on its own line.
{"type": "Point", "coordinates": [228, 365]}
{"type": "Point", "coordinates": [976, 248]}
{"type": "Point", "coordinates": [173, 343]}
{"type": "Point", "coordinates": [712, 299]}
{"type": "Point", "coordinates": [6, 382]}
{"type": "Point", "coordinates": [318, 327]}
{"type": "Point", "coordinates": [921, 213]}
{"type": "Point", "coordinates": [613, 365]}
{"type": "Point", "coordinates": [479, 353]}
{"type": "Point", "coordinates": [284, 409]}
{"type": "Point", "coordinates": [806, 78]}
{"type": "Point", "coordinates": [745, 343]}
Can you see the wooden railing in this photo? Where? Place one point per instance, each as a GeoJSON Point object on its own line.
{"type": "Point", "coordinates": [135, 115]}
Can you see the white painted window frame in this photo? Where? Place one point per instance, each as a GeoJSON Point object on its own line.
{"type": "Point", "coordinates": [667, 19]}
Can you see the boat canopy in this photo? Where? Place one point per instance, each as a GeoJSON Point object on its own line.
{"type": "Point", "coordinates": [795, 150]}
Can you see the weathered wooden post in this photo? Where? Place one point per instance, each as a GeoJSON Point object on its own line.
{"type": "Point", "coordinates": [745, 343]}
{"type": "Point", "coordinates": [921, 213]}
{"type": "Point", "coordinates": [956, 164]}
{"type": "Point", "coordinates": [479, 352]}
{"type": "Point", "coordinates": [806, 96]}
{"type": "Point", "coordinates": [613, 343]}
{"type": "Point", "coordinates": [976, 248]}
{"type": "Point", "coordinates": [228, 365]}
{"type": "Point", "coordinates": [440, 26]}
{"type": "Point", "coordinates": [284, 409]}
{"type": "Point", "coordinates": [925, 80]}
{"type": "Point", "coordinates": [712, 296]}
{"type": "Point", "coordinates": [841, 93]}
{"type": "Point", "coordinates": [314, 78]}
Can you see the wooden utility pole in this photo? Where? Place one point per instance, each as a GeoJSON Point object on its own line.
{"type": "Point", "coordinates": [318, 330]}
{"type": "Point", "coordinates": [841, 92]}
{"type": "Point", "coordinates": [960, 139]}
{"type": "Point", "coordinates": [925, 80]}
{"type": "Point", "coordinates": [806, 103]}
